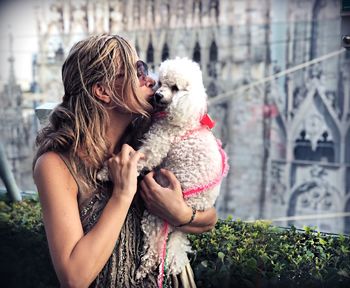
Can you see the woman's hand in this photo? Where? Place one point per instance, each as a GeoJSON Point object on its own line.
{"type": "Point", "coordinates": [123, 171]}
{"type": "Point", "coordinates": [168, 204]}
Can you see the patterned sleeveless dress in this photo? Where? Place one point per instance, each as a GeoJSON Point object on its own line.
{"type": "Point", "coordinates": [120, 269]}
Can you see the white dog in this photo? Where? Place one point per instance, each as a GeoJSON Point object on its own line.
{"type": "Point", "coordinates": [180, 140]}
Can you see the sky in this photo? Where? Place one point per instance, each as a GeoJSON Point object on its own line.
{"type": "Point", "coordinates": [17, 17]}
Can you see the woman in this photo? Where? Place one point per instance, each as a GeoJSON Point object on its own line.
{"type": "Point", "coordinates": [92, 227]}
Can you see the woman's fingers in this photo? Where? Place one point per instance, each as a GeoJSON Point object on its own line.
{"type": "Point", "coordinates": [149, 191]}
{"type": "Point", "coordinates": [174, 183]}
{"type": "Point", "coordinates": [136, 157]}
{"type": "Point", "coordinates": [123, 170]}
{"type": "Point", "coordinates": [145, 192]}
{"type": "Point", "coordinates": [154, 186]}
{"type": "Point", "coordinates": [127, 155]}
{"type": "Point", "coordinates": [149, 180]}
{"type": "Point", "coordinates": [126, 152]}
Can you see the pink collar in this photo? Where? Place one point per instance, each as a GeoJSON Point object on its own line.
{"type": "Point", "coordinates": [205, 120]}
{"type": "Point", "coordinates": [159, 115]}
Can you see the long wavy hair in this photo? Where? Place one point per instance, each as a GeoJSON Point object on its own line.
{"type": "Point", "coordinates": [78, 125]}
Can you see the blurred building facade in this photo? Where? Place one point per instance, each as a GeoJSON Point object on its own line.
{"type": "Point", "coordinates": [288, 139]}
{"type": "Point", "coordinates": [17, 129]}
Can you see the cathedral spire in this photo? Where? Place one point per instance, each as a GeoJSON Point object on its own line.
{"type": "Point", "coordinates": [11, 59]}
{"type": "Point", "coordinates": [12, 91]}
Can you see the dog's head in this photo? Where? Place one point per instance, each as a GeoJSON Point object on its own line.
{"type": "Point", "coordinates": [181, 92]}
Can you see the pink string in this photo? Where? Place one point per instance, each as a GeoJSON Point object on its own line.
{"type": "Point", "coordinates": [189, 133]}
{"type": "Point", "coordinates": [163, 254]}
{"type": "Point", "coordinates": [224, 169]}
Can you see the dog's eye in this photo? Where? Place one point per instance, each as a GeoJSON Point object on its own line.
{"type": "Point", "coordinates": [159, 83]}
{"type": "Point", "coordinates": [174, 88]}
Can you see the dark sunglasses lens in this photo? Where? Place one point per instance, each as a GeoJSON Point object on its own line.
{"type": "Point", "coordinates": [142, 68]}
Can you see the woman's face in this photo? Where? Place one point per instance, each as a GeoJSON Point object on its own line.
{"type": "Point", "coordinates": [146, 82]}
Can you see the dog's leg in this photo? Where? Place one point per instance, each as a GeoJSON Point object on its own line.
{"type": "Point", "coordinates": [155, 147]}
{"type": "Point", "coordinates": [152, 240]}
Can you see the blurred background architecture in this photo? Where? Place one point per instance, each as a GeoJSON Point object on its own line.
{"type": "Point", "coordinates": [287, 136]}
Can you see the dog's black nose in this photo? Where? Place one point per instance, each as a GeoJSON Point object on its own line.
{"type": "Point", "coordinates": [158, 97]}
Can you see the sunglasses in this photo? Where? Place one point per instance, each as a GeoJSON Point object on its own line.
{"type": "Point", "coordinates": [142, 70]}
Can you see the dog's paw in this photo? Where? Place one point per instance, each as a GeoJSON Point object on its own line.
{"type": "Point", "coordinates": [103, 174]}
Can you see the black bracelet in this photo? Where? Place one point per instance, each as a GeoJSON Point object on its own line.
{"type": "Point", "coordinates": [194, 211]}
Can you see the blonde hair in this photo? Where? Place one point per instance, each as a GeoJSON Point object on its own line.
{"type": "Point", "coordinates": [78, 125]}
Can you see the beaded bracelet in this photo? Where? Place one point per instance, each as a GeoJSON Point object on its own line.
{"type": "Point", "coordinates": [194, 211]}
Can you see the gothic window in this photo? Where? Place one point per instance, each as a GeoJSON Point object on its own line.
{"type": "Point", "coordinates": [213, 58]}
{"type": "Point", "coordinates": [165, 52]}
{"type": "Point", "coordinates": [302, 150]}
{"type": "Point", "coordinates": [150, 53]}
{"type": "Point", "coordinates": [214, 4]}
{"type": "Point", "coordinates": [213, 52]}
{"type": "Point", "coordinates": [325, 149]}
{"type": "Point", "coordinates": [137, 47]}
{"type": "Point", "coordinates": [199, 4]}
{"type": "Point", "coordinates": [197, 53]}
{"type": "Point", "coordinates": [212, 89]}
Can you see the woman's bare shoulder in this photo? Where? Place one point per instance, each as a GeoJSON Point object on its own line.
{"type": "Point", "coordinates": [47, 161]}
{"type": "Point", "coordinates": [50, 168]}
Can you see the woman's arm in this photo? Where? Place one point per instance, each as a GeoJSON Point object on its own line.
{"type": "Point", "coordinates": [168, 203]}
{"type": "Point", "coordinates": [77, 258]}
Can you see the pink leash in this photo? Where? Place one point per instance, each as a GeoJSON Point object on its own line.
{"type": "Point", "coordinates": [161, 266]}
{"type": "Point", "coordinates": [190, 192]}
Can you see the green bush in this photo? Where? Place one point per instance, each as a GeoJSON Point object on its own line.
{"type": "Point", "coordinates": [234, 254]}
{"type": "Point", "coordinates": [238, 254]}
{"type": "Point", "coordinates": [24, 254]}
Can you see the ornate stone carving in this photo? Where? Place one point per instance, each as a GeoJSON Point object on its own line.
{"type": "Point", "coordinates": [313, 196]}
{"type": "Point", "coordinates": [277, 186]}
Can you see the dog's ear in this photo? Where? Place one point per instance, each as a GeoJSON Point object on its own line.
{"type": "Point", "coordinates": [188, 106]}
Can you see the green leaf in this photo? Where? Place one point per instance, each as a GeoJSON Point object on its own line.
{"type": "Point", "coordinates": [344, 249]}
{"type": "Point", "coordinates": [322, 241]}
{"type": "Point", "coordinates": [343, 273]}
{"type": "Point", "coordinates": [204, 263]}
{"type": "Point", "coordinates": [221, 256]}
{"type": "Point", "coordinates": [251, 263]}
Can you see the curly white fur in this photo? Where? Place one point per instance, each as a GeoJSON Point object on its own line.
{"type": "Point", "coordinates": [195, 160]}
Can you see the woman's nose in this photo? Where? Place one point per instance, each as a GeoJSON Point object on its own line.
{"type": "Point", "coordinates": [150, 82]}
